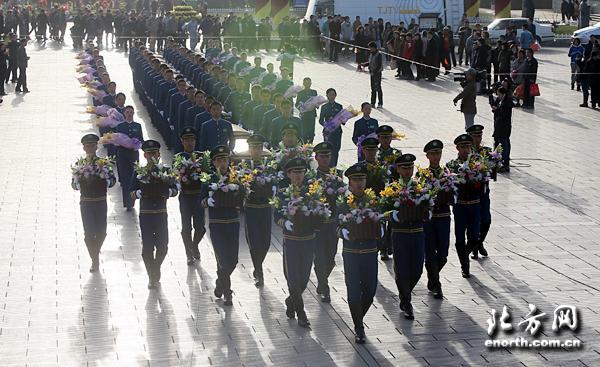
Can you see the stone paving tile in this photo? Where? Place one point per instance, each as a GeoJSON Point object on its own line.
{"type": "Point", "coordinates": [53, 312]}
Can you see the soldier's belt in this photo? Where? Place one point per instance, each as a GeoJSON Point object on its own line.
{"type": "Point", "coordinates": [360, 250]}
{"type": "Point", "coordinates": [440, 215]}
{"type": "Point", "coordinates": [190, 192]}
{"type": "Point", "coordinates": [299, 238]}
{"type": "Point", "coordinates": [468, 202]}
{"type": "Point", "coordinates": [223, 221]}
{"type": "Point", "coordinates": [329, 221]}
{"type": "Point", "coordinates": [153, 211]}
{"type": "Point", "coordinates": [90, 199]}
{"type": "Point", "coordinates": [407, 230]}
{"type": "Point", "coordinates": [257, 206]}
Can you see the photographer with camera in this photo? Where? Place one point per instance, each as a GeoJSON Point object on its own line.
{"type": "Point", "coordinates": [468, 106]}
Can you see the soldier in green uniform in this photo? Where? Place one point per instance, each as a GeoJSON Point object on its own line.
{"type": "Point", "coordinates": [309, 117]}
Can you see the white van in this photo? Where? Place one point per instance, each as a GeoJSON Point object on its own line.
{"type": "Point", "coordinates": [497, 28]}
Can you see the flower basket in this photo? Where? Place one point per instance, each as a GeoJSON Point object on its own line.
{"type": "Point", "coordinates": [93, 186]}
{"type": "Point", "coordinates": [305, 225]}
{"type": "Point", "coordinates": [230, 199]}
{"type": "Point", "coordinates": [418, 213]}
{"type": "Point", "coordinates": [365, 231]}
{"type": "Point", "coordinates": [155, 189]}
{"type": "Point", "coordinates": [470, 190]}
{"type": "Point", "coordinates": [444, 198]}
{"type": "Point", "coordinates": [190, 185]}
{"type": "Point", "coordinates": [262, 192]}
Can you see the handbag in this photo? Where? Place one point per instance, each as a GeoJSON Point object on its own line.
{"type": "Point", "coordinates": [535, 47]}
{"type": "Point", "coordinates": [534, 90]}
{"type": "Point", "coordinates": [520, 91]}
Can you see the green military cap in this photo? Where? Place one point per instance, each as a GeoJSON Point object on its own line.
{"type": "Point", "coordinates": [370, 144]}
{"type": "Point", "coordinates": [188, 131]}
{"type": "Point", "coordinates": [291, 127]}
{"type": "Point", "coordinates": [296, 164]}
{"type": "Point", "coordinates": [475, 130]}
{"type": "Point", "coordinates": [406, 160]}
{"type": "Point", "coordinates": [89, 139]}
{"type": "Point", "coordinates": [357, 170]}
{"type": "Point", "coordinates": [150, 146]}
{"type": "Point", "coordinates": [434, 146]}
{"type": "Point", "coordinates": [463, 139]}
{"type": "Point", "coordinates": [384, 130]}
{"type": "Point", "coordinates": [219, 151]}
{"type": "Point", "coordinates": [256, 139]}
{"type": "Point", "coordinates": [323, 148]}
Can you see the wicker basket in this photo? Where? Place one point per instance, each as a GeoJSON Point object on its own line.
{"type": "Point", "coordinates": [444, 198]}
{"type": "Point", "coordinates": [419, 213]}
{"type": "Point", "coordinates": [155, 189]}
{"type": "Point", "coordinates": [305, 225]}
{"type": "Point", "coordinates": [230, 199]}
{"type": "Point", "coordinates": [367, 230]}
{"type": "Point", "coordinates": [93, 186]}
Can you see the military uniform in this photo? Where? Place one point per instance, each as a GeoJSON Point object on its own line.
{"type": "Point", "coordinates": [467, 213]}
{"type": "Point", "coordinates": [486, 214]}
{"type": "Point", "coordinates": [224, 225]}
{"type": "Point", "coordinates": [437, 231]}
{"type": "Point", "coordinates": [308, 117]}
{"type": "Point", "coordinates": [363, 127]}
{"type": "Point", "coordinates": [326, 239]}
{"type": "Point", "coordinates": [153, 219]}
{"type": "Point", "coordinates": [298, 252]}
{"type": "Point", "coordinates": [258, 221]}
{"type": "Point", "coordinates": [328, 111]}
{"type": "Point", "coordinates": [408, 240]}
{"type": "Point", "coordinates": [360, 264]}
{"type": "Point", "coordinates": [190, 207]}
{"type": "Point", "coordinates": [93, 207]}
{"type": "Point", "coordinates": [127, 158]}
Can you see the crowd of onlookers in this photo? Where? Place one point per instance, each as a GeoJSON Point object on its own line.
{"type": "Point", "coordinates": [585, 69]}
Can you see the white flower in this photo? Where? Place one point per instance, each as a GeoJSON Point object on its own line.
{"type": "Point", "coordinates": [232, 187]}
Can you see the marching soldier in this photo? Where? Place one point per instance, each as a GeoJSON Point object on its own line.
{"type": "Point", "coordinates": [153, 213]}
{"type": "Point", "coordinates": [224, 224]}
{"type": "Point", "coordinates": [476, 132]}
{"type": "Point", "coordinates": [297, 248]}
{"type": "Point", "coordinates": [364, 126]}
{"type": "Point", "coordinates": [326, 236]}
{"type": "Point", "coordinates": [258, 214]}
{"type": "Point", "coordinates": [408, 240]}
{"type": "Point", "coordinates": [286, 118]}
{"type": "Point", "coordinates": [467, 210]}
{"type": "Point", "coordinates": [360, 256]}
{"type": "Point", "coordinates": [93, 199]}
{"type": "Point", "coordinates": [437, 229]}
{"type": "Point", "coordinates": [328, 111]}
{"type": "Point", "coordinates": [190, 202]}
{"type": "Point", "coordinates": [387, 156]}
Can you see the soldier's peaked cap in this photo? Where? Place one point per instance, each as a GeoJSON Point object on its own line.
{"type": "Point", "coordinates": [406, 160]}
{"type": "Point", "coordinates": [189, 131]}
{"type": "Point", "coordinates": [219, 151]}
{"type": "Point", "coordinates": [323, 148]}
{"type": "Point", "coordinates": [475, 130]}
{"type": "Point", "coordinates": [295, 164]}
{"type": "Point", "coordinates": [89, 138]}
{"type": "Point", "coordinates": [150, 146]}
{"type": "Point", "coordinates": [384, 130]}
{"type": "Point", "coordinates": [434, 146]}
{"type": "Point", "coordinates": [463, 139]}
{"type": "Point", "coordinates": [358, 170]}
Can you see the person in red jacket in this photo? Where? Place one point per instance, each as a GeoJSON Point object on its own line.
{"type": "Point", "coordinates": [408, 51]}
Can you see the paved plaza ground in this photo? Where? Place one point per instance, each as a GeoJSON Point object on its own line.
{"type": "Point", "coordinates": [544, 244]}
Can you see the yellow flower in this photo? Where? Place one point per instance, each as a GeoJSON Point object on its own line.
{"type": "Point", "coordinates": [314, 188]}
{"type": "Point", "coordinates": [350, 199]}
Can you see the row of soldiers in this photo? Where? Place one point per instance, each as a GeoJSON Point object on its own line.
{"type": "Point", "coordinates": [413, 242]}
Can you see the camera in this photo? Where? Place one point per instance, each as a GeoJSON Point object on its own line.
{"type": "Point", "coordinates": [462, 77]}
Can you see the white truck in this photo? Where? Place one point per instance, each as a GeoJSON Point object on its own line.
{"type": "Point", "coordinates": [394, 11]}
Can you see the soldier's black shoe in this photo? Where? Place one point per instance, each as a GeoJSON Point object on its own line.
{"type": "Point", "coordinates": [437, 293]}
{"type": "Point", "coordinates": [475, 255]}
{"type": "Point", "coordinates": [151, 285]}
{"type": "Point", "coordinates": [303, 321]}
{"type": "Point", "coordinates": [385, 257]}
{"type": "Point", "coordinates": [289, 310]}
{"type": "Point", "coordinates": [218, 289]}
{"type": "Point", "coordinates": [190, 261]}
{"type": "Point", "coordinates": [465, 274]}
{"type": "Point", "coordinates": [430, 285]}
{"type": "Point", "coordinates": [95, 267]}
{"type": "Point", "coordinates": [408, 311]}
{"type": "Point", "coordinates": [326, 298]}
{"type": "Point", "coordinates": [228, 300]}
{"type": "Point", "coordinates": [359, 336]}
{"type": "Point", "coordinates": [483, 251]}
{"type": "Point", "coordinates": [319, 290]}
{"type": "Point", "coordinates": [259, 281]}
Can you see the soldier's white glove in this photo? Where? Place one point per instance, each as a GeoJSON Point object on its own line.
{"type": "Point", "coordinates": [382, 231]}
{"type": "Point", "coordinates": [138, 194]}
{"type": "Point", "coordinates": [162, 113]}
{"type": "Point", "coordinates": [346, 234]}
{"type": "Point", "coordinates": [274, 189]}
{"type": "Point", "coordinates": [211, 202]}
{"type": "Point", "coordinates": [395, 216]}
{"type": "Point", "coordinates": [172, 192]}
{"type": "Point", "coordinates": [172, 127]}
{"type": "Point", "coordinates": [289, 225]}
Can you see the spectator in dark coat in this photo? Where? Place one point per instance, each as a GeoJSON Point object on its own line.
{"type": "Point", "coordinates": [502, 107]}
